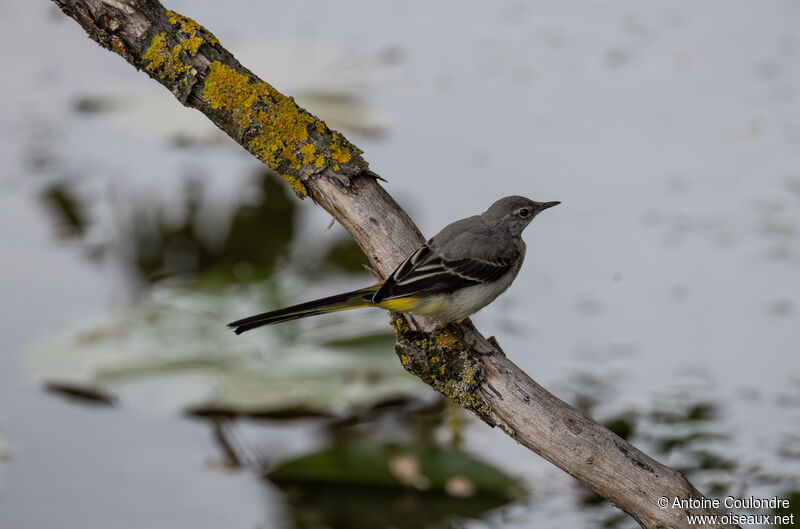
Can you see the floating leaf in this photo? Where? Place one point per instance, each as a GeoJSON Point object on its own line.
{"type": "Point", "coordinates": [174, 351]}
{"type": "Point", "coordinates": [405, 485]}
{"type": "Point", "coordinates": [423, 467]}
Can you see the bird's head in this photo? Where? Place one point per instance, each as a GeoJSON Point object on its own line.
{"type": "Point", "coordinates": [514, 213]}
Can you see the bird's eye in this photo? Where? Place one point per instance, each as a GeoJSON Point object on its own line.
{"type": "Point", "coordinates": [524, 212]}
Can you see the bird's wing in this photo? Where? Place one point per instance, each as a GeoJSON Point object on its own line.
{"type": "Point", "coordinates": [426, 272]}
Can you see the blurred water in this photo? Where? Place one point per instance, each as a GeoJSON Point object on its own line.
{"type": "Point", "coordinates": [667, 279]}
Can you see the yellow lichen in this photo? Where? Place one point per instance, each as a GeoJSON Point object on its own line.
{"type": "Point", "coordinates": [278, 129]}
{"type": "Point", "coordinates": [297, 185]}
{"type": "Point", "coordinates": [308, 151]}
{"type": "Point", "coordinates": [442, 363]}
{"type": "Point", "coordinates": [191, 27]}
{"type": "Point", "coordinates": [156, 52]}
{"type": "Point", "coordinates": [117, 46]}
{"type": "Point", "coordinates": [174, 17]}
{"type": "Point", "coordinates": [339, 151]}
{"type": "Point", "coordinates": [191, 45]}
{"type": "Point", "coordinates": [171, 63]}
{"type": "Point", "coordinates": [165, 61]}
{"type": "Point", "coordinates": [225, 88]}
{"type": "Point", "coordinates": [445, 340]}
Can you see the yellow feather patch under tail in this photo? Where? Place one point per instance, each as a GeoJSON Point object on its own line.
{"type": "Point", "coordinates": [416, 305]}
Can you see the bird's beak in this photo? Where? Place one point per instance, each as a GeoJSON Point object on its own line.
{"type": "Point", "coordinates": [545, 205]}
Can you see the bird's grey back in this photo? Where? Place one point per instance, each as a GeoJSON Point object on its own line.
{"type": "Point", "coordinates": [475, 237]}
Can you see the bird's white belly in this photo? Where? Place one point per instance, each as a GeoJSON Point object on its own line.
{"type": "Point", "coordinates": [470, 300]}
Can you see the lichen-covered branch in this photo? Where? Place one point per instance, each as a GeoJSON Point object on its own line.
{"type": "Point", "coordinates": [188, 60]}
{"type": "Point", "coordinates": [319, 162]}
{"type": "Point", "coordinates": [444, 364]}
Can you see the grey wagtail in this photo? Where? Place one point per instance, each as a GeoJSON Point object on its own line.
{"type": "Point", "coordinates": [459, 271]}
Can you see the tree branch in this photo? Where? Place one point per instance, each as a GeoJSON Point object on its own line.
{"type": "Point", "coordinates": [319, 162]}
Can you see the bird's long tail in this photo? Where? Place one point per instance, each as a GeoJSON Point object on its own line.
{"type": "Point", "coordinates": [348, 300]}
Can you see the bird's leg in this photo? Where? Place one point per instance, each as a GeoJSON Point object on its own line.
{"type": "Point", "coordinates": [453, 330]}
{"type": "Point", "coordinates": [450, 330]}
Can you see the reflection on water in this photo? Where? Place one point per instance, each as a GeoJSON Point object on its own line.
{"type": "Point", "coordinates": [158, 241]}
{"type": "Point", "coordinates": [158, 246]}
{"type": "Point", "coordinates": [713, 184]}
{"type": "Point", "coordinates": [171, 350]}
{"type": "Point", "coordinates": [344, 111]}
{"type": "Point", "coordinates": [68, 214]}
{"type": "Point", "coordinates": [384, 470]}
{"type": "Point", "coordinates": [685, 430]}
{"type": "Point", "coordinates": [97, 103]}
{"type": "Point", "coordinates": [364, 507]}
{"type": "Point", "coordinates": [81, 394]}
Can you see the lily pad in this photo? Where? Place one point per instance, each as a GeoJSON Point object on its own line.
{"type": "Point", "coordinates": [174, 351]}
{"type": "Point", "coordinates": [419, 466]}
{"type": "Point", "coordinates": [405, 485]}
